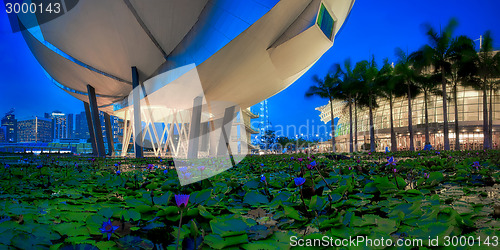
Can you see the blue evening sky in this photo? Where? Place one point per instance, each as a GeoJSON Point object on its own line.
{"type": "Point", "coordinates": [374, 27]}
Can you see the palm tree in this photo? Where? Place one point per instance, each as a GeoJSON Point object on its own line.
{"type": "Point", "coordinates": [327, 88]}
{"type": "Point", "coordinates": [429, 86]}
{"type": "Point", "coordinates": [463, 51]}
{"type": "Point", "coordinates": [483, 79]}
{"type": "Point", "coordinates": [438, 54]}
{"type": "Point", "coordinates": [369, 75]}
{"type": "Point", "coordinates": [359, 97]}
{"type": "Point", "coordinates": [390, 89]}
{"type": "Point", "coordinates": [405, 74]}
{"type": "Point", "coordinates": [346, 93]}
{"type": "Point", "coordinates": [487, 48]}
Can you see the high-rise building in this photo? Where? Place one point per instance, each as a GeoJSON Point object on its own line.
{"type": "Point", "coordinates": [70, 128]}
{"type": "Point", "coordinates": [10, 123]}
{"type": "Point", "coordinates": [3, 135]}
{"type": "Point", "coordinates": [263, 123]}
{"type": "Point", "coordinates": [34, 130]}
{"type": "Point", "coordinates": [116, 127]}
{"type": "Point", "coordinates": [81, 127]}
{"type": "Point", "coordinates": [60, 125]}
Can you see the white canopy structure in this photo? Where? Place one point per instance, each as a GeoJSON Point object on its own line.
{"type": "Point", "coordinates": [242, 52]}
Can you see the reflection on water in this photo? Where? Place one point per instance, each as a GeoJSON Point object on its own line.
{"type": "Point", "coordinates": [477, 200]}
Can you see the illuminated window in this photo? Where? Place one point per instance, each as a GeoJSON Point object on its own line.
{"type": "Point", "coordinates": [325, 22]}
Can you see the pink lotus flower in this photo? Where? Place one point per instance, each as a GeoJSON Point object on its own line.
{"type": "Point", "coordinates": [182, 199]}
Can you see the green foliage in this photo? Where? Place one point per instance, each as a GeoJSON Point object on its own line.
{"type": "Point", "coordinates": [234, 210]}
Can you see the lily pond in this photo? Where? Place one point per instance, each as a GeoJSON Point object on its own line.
{"type": "Point", "coordinates": [419, 199]}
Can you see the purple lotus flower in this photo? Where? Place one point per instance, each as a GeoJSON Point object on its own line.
{"type": "Point", "coordinates": [181, 199]}
{"type": "Point", "coordinates": [263, 178]}
{"type": "Point", "coordinates": [291, 158]}
{"type": "Point", "coordinates": [116, 164]}
{"type": "Point", "coordinates": [299, 181]}
{"type": "Point", "coordinates": [313, 164]}
{"type": "Point", "coordinates": [7, 166]}
{"type": "Point", "coordinates": [262, 164]}
{"type": "Point", "coordinates": [358, 161]}
{"type": "Point", "coordinates": [108, 228]}
{"type": "Point", "coordinates": [370, 153]}
{"type": "Point", "coordinates": [165, 171]}
{"type": "Point", "coordinates": [118, 172]}
{"type": "Point", "coordinates": [426, 175]}
{"type": "Point", "coordinates": [395, 170]}
{"type": "Point", "coordinates": [39, 166]}
{"type": "Point", "coordinates": [150, 167]}
{"type": "Point", "coordinates": [300, 159]}
{"type": "Point", "coordinates": [350, 168]}
{"type": "Point", "coordinates": [476, 164]}
{"type": "Point", "coordinates": [310, 167]}
{"type": "Point", "coordinates": [391, 161]}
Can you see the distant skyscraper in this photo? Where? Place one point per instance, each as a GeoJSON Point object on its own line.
{"type": "Point", "coordinates": [70, 128]}
{"type": "Point", "coordinates": [59, 124]}
{"type": "Point", "coordinates": [81, 128]}
{"type": "Point", "coordinates": [34, 130]}
{"type": "Point", "coordinates": [263, 124]}
{"type": "Point", "coordinates": [3, 133]}
{"type": "Point", "coordinates": [10, 123]}
{"type": "Point", "coordinates": [116, 127]}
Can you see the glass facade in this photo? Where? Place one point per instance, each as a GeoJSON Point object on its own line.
{"type": "Point", "coordinates": [325, 22]}
{"type": "Point", "coordinates": [34, 130]}
{"type": "Point", "coordinates": [470, 119]}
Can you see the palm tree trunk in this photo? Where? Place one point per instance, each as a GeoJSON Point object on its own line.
{"type": "Point", "coordinates": [486, 144]}
{"type": "Point", "coordinates": [394, 145]}
{"type": "Point", "coordinates": [445, 113]}
{"type": "Point", "coordinates": [490, 117]}
{"type": "Point", "coordinates": [356, 126]}
{"type": "Point", "coordinates": [427, 141]}
{"type": "Point", "coordinates": [410, 125]}
{"type": "Point", "coordinates": [350, 127]}
{"type": "Point", "coordinates": [333, 125]}
{"type": "Point", "coordinates": [372, 128]}
{"type": "Point", "coordinates": [457, 129]}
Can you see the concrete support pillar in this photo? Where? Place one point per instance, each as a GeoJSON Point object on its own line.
{"type": "Point", "coordinates": [214, 137]}
{"type": "Point", "coordinates": [96, 123]}
{"type": "Point", "coordinates": [194, 131]}
{"type": "Point", "coordinates": [137, 114]}
{"type": "Point", "coordinates": [204, 136]}
{"type": "Point", "coordinates": [227, 123]}
{"type": "Point", "coordinates": [109, 134]}
{"type": "Point", "coordinates": [91, 129]}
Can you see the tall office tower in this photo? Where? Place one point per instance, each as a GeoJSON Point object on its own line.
{"type": "Point", "coordinates": [116, 127]}
{"type": "Point", "coordinates": [3, 133]}
{"type": "Point", "coordinates": [10, 123]}
{"type": "Point", "coordinates": [34, 130]}
{"type": "Point", "coordinates": [70, 128]}
{"type": "Point", "coordinates": [81, 127]}
{"type": "Point", "coordinates": [59, 125]}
